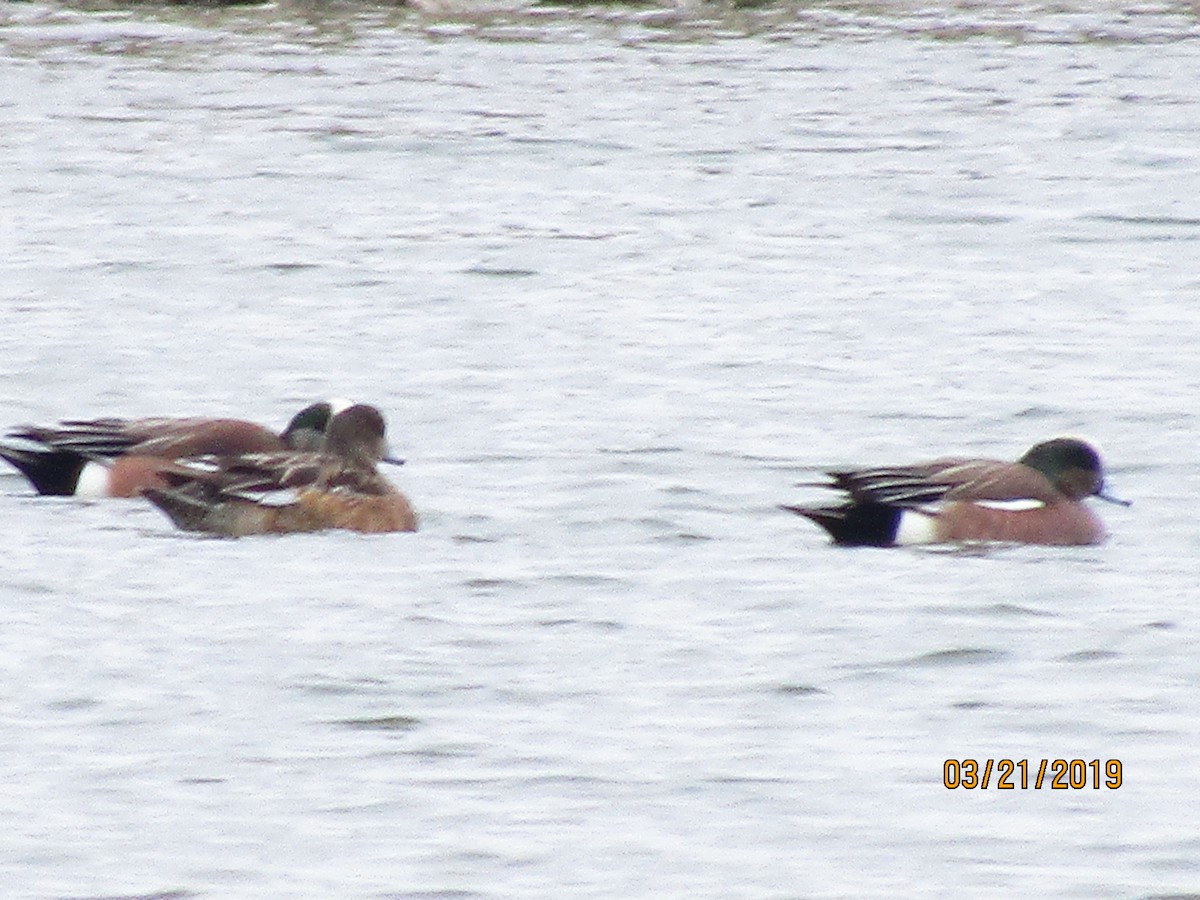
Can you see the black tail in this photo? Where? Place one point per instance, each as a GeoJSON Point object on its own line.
{"type": "Point", "coordinates": [855, 524]}
{"type": "Point", "coordinates": [52, 472]}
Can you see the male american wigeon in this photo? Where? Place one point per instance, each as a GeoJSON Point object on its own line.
{"type": "Point", "coordinates": [339, 487]}
{"type": "Point", "coordinates": [1036, 500]}
{"type": "Point", "coordinates": [122, 457]}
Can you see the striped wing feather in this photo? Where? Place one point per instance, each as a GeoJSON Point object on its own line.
{"type": "Point", "coordinates": [945, 480]}
{"type": "Point", "coordinates": [95, 438]}
{"type": "Point", "coordinates": [264, 472]}
{"type": "Point", "coordinates": [169, 438]}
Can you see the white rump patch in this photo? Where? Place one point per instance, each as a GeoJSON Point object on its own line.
{"type": "Point", "coordinates": [915, 527]}
{"type": "Point", "coordinates": [93, 481]}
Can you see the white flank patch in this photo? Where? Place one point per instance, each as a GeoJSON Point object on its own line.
{"type": "Point", "coordinates": [93, 481]}
{"type": "Point", "coordinates": [915, 528]}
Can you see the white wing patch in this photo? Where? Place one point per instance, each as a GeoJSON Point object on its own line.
{"type": "Point", "coordinates": [284, 497]}
{"type": "Point", "coordinates": [1023, 505]}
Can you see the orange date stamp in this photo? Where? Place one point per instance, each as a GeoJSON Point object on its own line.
{"type": "Point", "coordinates": [1023, 774]}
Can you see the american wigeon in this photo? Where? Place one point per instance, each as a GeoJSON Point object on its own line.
{"type": "Point", "coordinates": [122, 457]}
{"type": "Point", "coordinates": [1036, 500]}
{"type": "Point", "coordinates": [338, 487]}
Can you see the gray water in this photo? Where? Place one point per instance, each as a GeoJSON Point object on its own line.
{"type": "Point", "coordinates": [620, 277]}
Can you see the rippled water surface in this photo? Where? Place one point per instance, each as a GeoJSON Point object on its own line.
{"type": "Point", "coordinates": [621, 278]}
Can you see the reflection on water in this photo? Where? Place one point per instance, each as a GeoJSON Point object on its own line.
{"type": "Point", "coordinates": [126, 28]}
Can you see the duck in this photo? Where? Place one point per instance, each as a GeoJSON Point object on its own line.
{"type": "Point", "coordinates": [115, 457]}
{"type": "Point", "coordinates": [337, 487]}
{"type": "Point", "coordinates": [1036, 500]}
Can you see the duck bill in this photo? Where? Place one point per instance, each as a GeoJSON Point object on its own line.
{"type": "Point", "coordinates": [1109, 498]}
{"type": "Point", "coordinates": [392, 460]}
